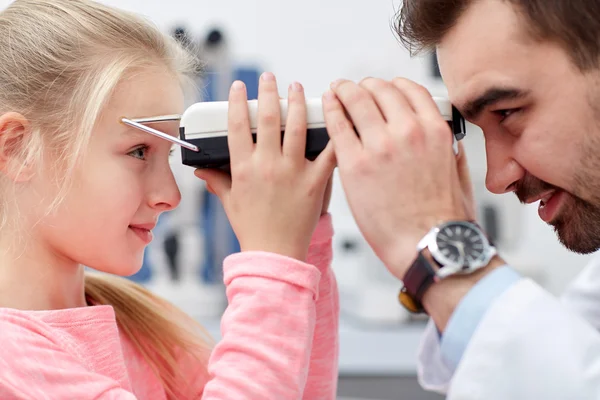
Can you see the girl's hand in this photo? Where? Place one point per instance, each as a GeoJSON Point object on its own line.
{"type": "Point", "coordinates": [274, 195]}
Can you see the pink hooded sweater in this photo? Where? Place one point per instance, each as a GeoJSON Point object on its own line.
{"type": "Point", "coordinates": [279, 340]}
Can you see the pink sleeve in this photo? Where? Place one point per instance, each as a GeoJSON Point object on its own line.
{"type": "Point", "coordinates": [267, 329]}
{"type": "Point", "coordinates": [323, 371]}
{"type": "Point", "coordinates": [34, 366]}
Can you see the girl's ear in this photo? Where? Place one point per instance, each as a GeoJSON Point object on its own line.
{"type": "Point", "coordinates": [14, 132]}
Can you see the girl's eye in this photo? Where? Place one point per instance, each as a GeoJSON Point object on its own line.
{"type": "Point", "coordinates": [139, 152]}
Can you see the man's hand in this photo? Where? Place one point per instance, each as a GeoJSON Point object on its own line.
{"type": "Point", "coordinates": [400, 174]}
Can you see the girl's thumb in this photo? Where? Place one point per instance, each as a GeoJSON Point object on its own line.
{"type": "Point", "coordinates": [217, 182]}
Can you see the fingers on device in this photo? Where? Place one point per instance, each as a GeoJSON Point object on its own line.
{"type": "Point", "coordinates": [203, 129]}
{"type": "Point", "coordinates": [205, 126]}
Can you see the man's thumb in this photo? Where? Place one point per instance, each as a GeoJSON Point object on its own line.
{"type": "Point", "coordinates": [466, 184]}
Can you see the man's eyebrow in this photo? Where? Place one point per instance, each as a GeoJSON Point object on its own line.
{"type": "Point", "coordinates": [473, 108]}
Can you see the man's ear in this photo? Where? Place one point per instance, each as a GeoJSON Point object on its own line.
{"type": "Point", "coordinates": [14, 136]}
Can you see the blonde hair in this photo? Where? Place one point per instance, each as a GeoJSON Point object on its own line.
{"type": "Point", "coordinates": [60, 62]}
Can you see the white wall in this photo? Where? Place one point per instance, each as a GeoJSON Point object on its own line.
{"type": "Point", "coordinates": [312, 41]}
{"type": "Point", "coordinates": [318, 41]}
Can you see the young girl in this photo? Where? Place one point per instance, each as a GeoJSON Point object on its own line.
{"type": "Point", "coordinates": [77, 187]}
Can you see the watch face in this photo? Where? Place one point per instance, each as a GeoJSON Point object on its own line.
{"type": "Point", "coordinates": [461, 243]}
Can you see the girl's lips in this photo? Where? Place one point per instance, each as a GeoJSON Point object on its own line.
{"type": "Point", "coordinates": [143, 233]}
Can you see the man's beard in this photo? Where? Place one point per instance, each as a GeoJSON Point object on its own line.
{"type": "Point", "coordinates": [577, 224]}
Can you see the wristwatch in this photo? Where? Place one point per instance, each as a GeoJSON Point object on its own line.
{"type": "Point", "coordinates": [456, 248]}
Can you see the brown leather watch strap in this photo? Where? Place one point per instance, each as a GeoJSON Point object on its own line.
{"type": "Point", "coordinates": [416, 281]}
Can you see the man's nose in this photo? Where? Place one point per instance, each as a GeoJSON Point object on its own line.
{"type": "Point", "coordinates": [503, 171]}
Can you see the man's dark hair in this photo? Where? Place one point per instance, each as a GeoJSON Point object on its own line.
{"type": "Point", "coordinates": [573, 24]}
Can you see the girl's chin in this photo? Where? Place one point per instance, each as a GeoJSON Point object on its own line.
{"type": "Point", "coordinates": [124, 268]}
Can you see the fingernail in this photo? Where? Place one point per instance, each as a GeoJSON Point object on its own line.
{"type": "Point", "coordinates": [296, 87]}
{"type": "Point", "coordinates": [268, 76]}
{"type": "Point", "coordinates": [336, 83]}
{"type": "Point", "coordinates": [329, 95]}
{"type": "Point", "coordinates": [237, 85]}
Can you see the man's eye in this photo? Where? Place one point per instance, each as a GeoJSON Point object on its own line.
{"type": "Point", "coordinates": [139, 152]}
{"type": "Point", "coordinates": [503, 114]}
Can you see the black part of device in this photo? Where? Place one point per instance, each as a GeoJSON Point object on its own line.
{"type": "Point", "coordinates": [213, 152]}
{"type": "Point", "coordinates": [458, 124]}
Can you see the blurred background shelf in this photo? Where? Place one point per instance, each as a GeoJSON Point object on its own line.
{"type": "Point", "coordinates": [366, 350]}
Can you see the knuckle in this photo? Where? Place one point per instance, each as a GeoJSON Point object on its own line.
{"type": "Point", "coordinates": [413, 132]}
{"type": "Point", "coordinates": [414, 136]}
{"type": "Point", "coordinates": [415, 142]}
{"type": "Point", "coordinates": [269, 118]}
{"type": "Point", "coordinates": [295, 130]}
{"type": "Point", "coordinates": [342, 125]}
{"type": "Point", "coordinates": [411, 127]}
{"type": "Point", "coordinates": [269, 173]}
{"type": "Point", "coordinates": [237, 124]}
{"type": "Point", "coordinates": [385, 148]}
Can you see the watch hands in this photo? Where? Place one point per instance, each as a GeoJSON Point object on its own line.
{"type": "Point", "coordinates": [460, 247]}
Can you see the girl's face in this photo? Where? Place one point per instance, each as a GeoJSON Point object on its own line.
{"type": "Point", "coordinates": [124, 183]}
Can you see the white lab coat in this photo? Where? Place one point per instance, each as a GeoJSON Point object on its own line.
{"type": "Point", "coordinates": [530, 345]}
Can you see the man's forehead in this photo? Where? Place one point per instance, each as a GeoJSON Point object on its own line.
{"type": "Point", "coordinates": [472, 87]}
{"type": "Point", "coordinates": [485, 50]}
